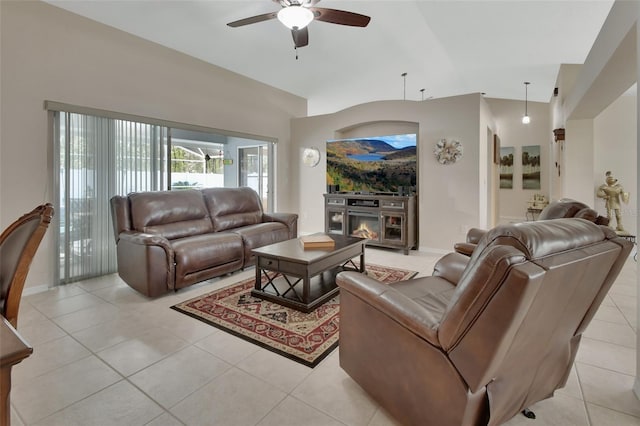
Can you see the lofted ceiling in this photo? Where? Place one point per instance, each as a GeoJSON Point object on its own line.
{"type": "Point", "coordinates": [445, 47]}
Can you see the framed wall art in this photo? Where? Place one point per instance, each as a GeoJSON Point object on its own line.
{"type": "Point", "coordinates": [531, 167]}
{"type": "Point", "coordinates": [506, 167]}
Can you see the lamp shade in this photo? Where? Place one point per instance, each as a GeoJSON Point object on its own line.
{"type": "Point", "coordinates": [526, 119]}
{"type": "Point", "coordinates": [295, 17]}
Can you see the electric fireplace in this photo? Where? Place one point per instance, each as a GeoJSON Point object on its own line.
{"type": "Point", "coordinates": [387, 220]}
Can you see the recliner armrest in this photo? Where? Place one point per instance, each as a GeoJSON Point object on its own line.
{"type": "Point", "coordinates": [146, 262]}
{"type": "Point", "coordinates": [465, 248]}
{"type": "Point", "coordinates": [451, 267]}
{"type": "Point", "coordinates": [289, 219]}
{"type": "Point", "coordinates": [393, 303]}
{"type": "Point", "coordinates": [144, 239]}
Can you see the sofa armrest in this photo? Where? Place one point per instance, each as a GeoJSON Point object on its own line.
{"type": "Point", "coordinates": [465, 248]}
{"type": "Point", "coordinates": [474, 235]}
{"type": "Point", "coordinates": [392, 303]}
{"type": "Point", "coordinates": [146, 262]}
{"type": "Point", "coordinates": [141, 238]}
{"type": "Point", "coordinates": [289, 219]}
{"type": "Point", "coordinates": [451, 267]}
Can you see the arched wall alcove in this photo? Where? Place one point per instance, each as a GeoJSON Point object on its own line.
{"type": "Point", "coordinates": [448, 195]}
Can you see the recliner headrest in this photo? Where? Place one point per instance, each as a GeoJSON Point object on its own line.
{"type": "Point", "coordinates": [587, 213]}
{"type": "Point", "coordinates": [542, 238]}
{"type": "Point", "coordinates": [564, 207]}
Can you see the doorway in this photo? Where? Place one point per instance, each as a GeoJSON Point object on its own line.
{"type": "Point", "coordinates": [253, 171]}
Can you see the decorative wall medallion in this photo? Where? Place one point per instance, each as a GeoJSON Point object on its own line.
{"type": "Point", "coordinates": [311, 156]}
{"type": "Point", "coordinates": [448, 152]}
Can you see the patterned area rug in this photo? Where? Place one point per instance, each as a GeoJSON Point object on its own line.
{"type": "Point", "coordinates": [305, 338]}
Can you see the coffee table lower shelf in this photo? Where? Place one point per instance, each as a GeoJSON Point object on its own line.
{"type": "Point", "coordinates": [287, 290]}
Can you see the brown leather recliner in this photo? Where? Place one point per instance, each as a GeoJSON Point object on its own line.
{"type": "Point", "coordinates": [476, 344]}
{"type": "Point", "coordinates": [565, 207]}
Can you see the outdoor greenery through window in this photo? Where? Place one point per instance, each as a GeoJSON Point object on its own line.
{"type": "Point", "coordinates": [196, 166]}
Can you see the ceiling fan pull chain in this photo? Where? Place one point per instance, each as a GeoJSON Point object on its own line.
{"type": "Point", "coordinates": [296, 49]}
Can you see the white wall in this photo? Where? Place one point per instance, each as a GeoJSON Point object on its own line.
{"type": "Point", "coordinates": [614, 137]}
{"type": "Point", "coordinates": [47, 53]}
{"type": "Point", "coordinates": [512, 133]}
{"type": "Point", "coordinates": [565, 82]}
{"type": "Point", "coordinates": [610, 68]}
{"type": "Point", "coordinates": [489, 174]}
{"type": "Point", "coordinates": [577, 180]}
{"type": "Point", "coordinates": [448, 198]}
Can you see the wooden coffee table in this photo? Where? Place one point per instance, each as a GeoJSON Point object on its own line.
{"type": "Point", "coordinates": [304, 279]}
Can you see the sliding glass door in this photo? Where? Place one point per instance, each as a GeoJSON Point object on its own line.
{"type": "Point", "coordinates": [98, 157]}
{"type": "Point", "coordinates": [254, 171]}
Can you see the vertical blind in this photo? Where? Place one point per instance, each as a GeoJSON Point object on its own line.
{"type": "Point", "coordinates": [100, 157]}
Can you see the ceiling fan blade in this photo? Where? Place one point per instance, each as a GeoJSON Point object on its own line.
{"type": "Point", "coordinates": [341, 17]}
{"type": "Point", "coordinates": [253, 19]}
{"type": "Point", "coordinates": [300, 37]}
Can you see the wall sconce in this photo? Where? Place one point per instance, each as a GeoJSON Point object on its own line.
{"type": "Point", "coordinates": [559, 134]}
{"type": "Point", "coordinates": [526, 119]}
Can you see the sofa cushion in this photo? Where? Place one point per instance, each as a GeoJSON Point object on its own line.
{"type": "Point", "coordinates": [232, 207]}
{"type": "Point", "coordinates": [260, 235]}
{"type": "Point", "coordinates": [172, 214]}
{"type": "Point", "coordinates": [206, 251]}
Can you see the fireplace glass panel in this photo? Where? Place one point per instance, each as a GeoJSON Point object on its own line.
{"type": "Point", "coordinates": [393, 227]}
{"type": "Point", "coordinates": [364, 225]}
{"type": "Point", "coordinates": [335, 221]}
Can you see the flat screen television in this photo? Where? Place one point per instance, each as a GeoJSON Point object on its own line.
{"type": "Point", "coordinates": [383, 164]}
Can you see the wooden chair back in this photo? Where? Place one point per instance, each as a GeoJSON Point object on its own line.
{"type": "Point", "coordinates": [18, 245]}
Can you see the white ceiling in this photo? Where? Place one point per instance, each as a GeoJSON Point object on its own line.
{"type": "Point", "coordinates": [446, 47]}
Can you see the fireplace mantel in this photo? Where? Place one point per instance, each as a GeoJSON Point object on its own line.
{"type": "Point", "coordinates": [386, 220]}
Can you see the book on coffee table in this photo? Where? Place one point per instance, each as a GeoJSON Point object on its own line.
{"type": "Point", "coordinates": [317, 241]}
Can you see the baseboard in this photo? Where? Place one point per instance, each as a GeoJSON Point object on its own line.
{"type": "Point", "coordinates": [28, 291]}
{"type": "Point", "coordinates": [432, 250]}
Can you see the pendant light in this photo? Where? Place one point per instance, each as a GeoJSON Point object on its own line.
{"type": "Point", "coordinates": [526, 119]}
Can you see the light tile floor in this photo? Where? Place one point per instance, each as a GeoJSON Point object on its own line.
{"type": "Point", "coordinates": [106, 355]}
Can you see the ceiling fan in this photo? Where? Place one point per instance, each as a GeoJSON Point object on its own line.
{"type": "Point", "coordinates": [297, 14]}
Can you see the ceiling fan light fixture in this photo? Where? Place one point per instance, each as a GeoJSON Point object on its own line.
{"type": "Point", "coordinates": [295, 17]}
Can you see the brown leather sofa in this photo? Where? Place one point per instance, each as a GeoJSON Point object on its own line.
{"type": "Point", "coordinates": [565, 207]}
{"type": "Point", "coordinates": [483, 338]}
{"type": "Point", "coordinates": [168, 240]}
